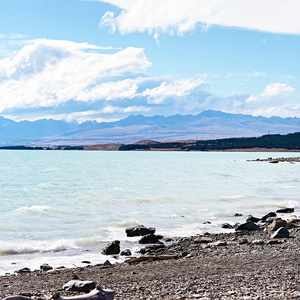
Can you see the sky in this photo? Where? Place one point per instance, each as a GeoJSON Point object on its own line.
{"type": "Point", "coordinates": [105, 60]}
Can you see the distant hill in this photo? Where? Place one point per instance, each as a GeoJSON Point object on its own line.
{"type": "Point", "coordinates": [206, 125]}
{"type": "Point", "coordinates": [289, 141]}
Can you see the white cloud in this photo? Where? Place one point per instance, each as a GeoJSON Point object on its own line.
{"type": "Point", "coordinates": [179, 88]}
{"type": "Point", "coordinates": [255, 74]}
{"type": "Point", "coordinates": [277, 88]}
{"type": "Point", "coordinates": [17, 36]}
{"type": "Point", "coordinates": [280, 16]}
{"type": "Point", "coordinates": [49, 72]}
{"type": "Point", "coordinates": [2, 36]}
{"type": "Point", "coordinates": [252, 98]}
{"type": "Point", "coordinates": [271, 90]}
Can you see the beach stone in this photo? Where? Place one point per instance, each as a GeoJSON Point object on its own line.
{"type": "Point", "coordinates": [112, 248]}
{"type": "Point", "coordinates": [80, 286]}
{"type": "Point", "coordinates": [290, 224]}
{"type": "Point", "coordinates": [217, 244]}
{"type": "Point", "coordinates": [243, 242]}
{"type": "Point", "coordinates": [150, 239]}
{"type": "Point", "coordinates": [274, 242]}
{"type": "Point", "coordinates": [258, 242]}
{"type": "Point", "coordinates": [285, 210]}
{"type": "Point", "coordinates": [107, 263]}
{"type": "Point", "coordinates": [45, 267]}
{"type": "Point", "coordinates": [274, 161]}
{"type": "Point", "coordinates": [227, 226]}
{"type": "Point", "coordinates": [249, 226]}
{"type": "Point", "coordinates": [269, 215]}
{"type": "Point", "coordinates": [276, 224]}
{"type": "Point", "coordinates": [238, 215]}
{"type": "Point", "coordinates": [139, 230]}
{"type": "Point", "coordinates": [201, 239]}
{"type": "Point", "coordinates": [23, 271]}
{"type": "Point", "coordinates": [126, 252]}
{"type": "Point", "coordinates": [252, 219]}
{"type": "Point", "coordinates": [282, 232]}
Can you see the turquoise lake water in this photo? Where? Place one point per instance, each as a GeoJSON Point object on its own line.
{"type": "Point", "coordinates": [63, 207]}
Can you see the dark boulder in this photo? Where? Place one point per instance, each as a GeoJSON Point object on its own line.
{"type": "Point", "coordinates": [269, 215]}
{"type": "Point", "coordinates": [23, 271]}
{"type": "Point", "coordinates": [45, 267]}
{"type": "Point", "coordinates": [139, 230]}
{"type": "Point", "coordinates": [248, 226]}
{"type": "Point", "coordinates": [112, 248]}
{"type": "Point", "coordinates": [150, 239]}
{"type": "Point", "coordinates": [126, 252]}
{"type": "Point", "coordinates": [107, 263]}
{"type": "Point", "coordinates": [285, 210]}
{"type": "Point", "coordinates": [282, 232]}
{"type": "Point", "coordinates": [227, 226]}
{"type": "Point", "coordinates": [79, 286]}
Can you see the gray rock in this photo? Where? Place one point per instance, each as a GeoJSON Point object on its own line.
{"type": "Point", "coordinates": [249, 226]}
{"type": "Point", "coordinates": [282, 232]}
{"type": "Point", "coordinates": [150, 239]}
{"type": "Point", "coordinates": [112, 248]}
{"type": "Point", "coordinates": [80, 286]}
{"type": "Point", "coordinates": [107, 263]}
{"type": "Point", "coordinates": [139, 230]}
{"type": "Point", "coordinates": [126, 252]}
{"type": "Point", "coordinates": [227, 226]}
{"type": "Point", "coordinates": [269, 215]}
{"type": "Point", "coordinates": [23, 271]}
{"type": "Point", "coordinates": [45, 267]}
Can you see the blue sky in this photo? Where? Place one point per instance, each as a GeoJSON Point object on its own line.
{"type": "Point", "coordinates": [104, 60]}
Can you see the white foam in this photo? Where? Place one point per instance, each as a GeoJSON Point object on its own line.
{"type": "Point", "coordinates": [34, 208]}
{"type": "Point", "coordinates": [128, 222]}
{"type": "Point", "coordinates": [36, 246]}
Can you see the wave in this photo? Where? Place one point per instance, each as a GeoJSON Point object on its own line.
{"type": "Point", "coordinates": [127, 222]}
{"type": "Point", "coordinates": [34, 208]}
{"type": "Point", "coordinates": [8, 248]}
{"type": "Point", "coordinates": [284, 203]}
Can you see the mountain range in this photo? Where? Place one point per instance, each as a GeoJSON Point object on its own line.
{"type": "Point", "coordinates": [206, 125]}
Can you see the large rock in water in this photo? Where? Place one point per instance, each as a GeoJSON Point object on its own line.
{"type": "Point", "coordinates": [248, 226]}
{"type": "Point", "coordinates": [269, 215]}
{"type": "Point", "coordinates": [282, 232]}
{"type": "Point", "coordinates": [150, 239]}
{"type": "Point", "coordinates": [79, 286]}
{"type": "Point", "coordinates": [112, 248]}
{"type": "Point", "coordinates": [139, 230]}
{"type": "Point", "coordinates": [285, 210]}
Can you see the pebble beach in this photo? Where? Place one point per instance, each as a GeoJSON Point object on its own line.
{"type": "Point", "coordinates": [239, 264]}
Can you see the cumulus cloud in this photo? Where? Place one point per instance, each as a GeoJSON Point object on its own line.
{"type": "Point", "coordinates": [277, 88]}
{"type": "Point", "coordinates": [179, 88]}
{"type": "Point", "coordinates": [177, 16]}
{"type": "Point", "coordinates": [49, 72]}
{"type": "Point", "coordinates": [271, 90]}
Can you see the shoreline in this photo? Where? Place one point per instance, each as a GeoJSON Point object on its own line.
{"type": "Point", "coordinates": [234, 265]}
{"type": "Point", "coordinates": [115, 147]}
